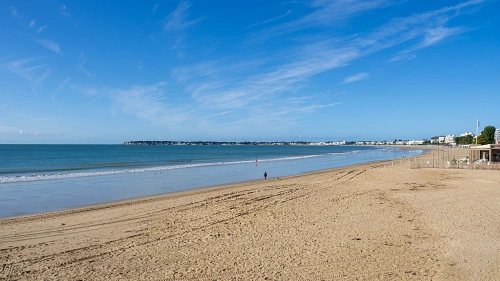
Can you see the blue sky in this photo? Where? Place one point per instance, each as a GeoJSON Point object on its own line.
{"type": "Point", "coordinates": [114, 71]}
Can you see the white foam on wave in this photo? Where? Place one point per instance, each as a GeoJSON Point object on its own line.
{"type": "Point", "coordinates": [37, 177]}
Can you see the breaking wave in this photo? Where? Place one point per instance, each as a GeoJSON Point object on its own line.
{"type": "Point", "coordinates": [52, 176]}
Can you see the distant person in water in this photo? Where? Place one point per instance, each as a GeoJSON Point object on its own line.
{"type": "Point", "coordinates": [265, 175]}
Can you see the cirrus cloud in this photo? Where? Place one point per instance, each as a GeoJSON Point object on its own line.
{"type": "Point", "coordinates": [49, 45]}
{"type": "Point", "coordinates": [356, 77]}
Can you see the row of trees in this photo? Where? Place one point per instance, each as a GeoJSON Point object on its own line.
{"type": "Point", "coordinates": [487, 136]}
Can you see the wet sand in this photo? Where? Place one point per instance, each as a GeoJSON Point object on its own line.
{"type": "Point", "coordinates": [376, 221]}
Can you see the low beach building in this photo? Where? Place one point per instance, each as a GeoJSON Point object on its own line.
{"type": "Point", "coordinates": [488, 152]}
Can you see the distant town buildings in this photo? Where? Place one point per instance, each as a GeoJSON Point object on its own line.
{"type": "Point", "coordinates": [234, 143]}
{"type": "Point", "coordinates": [415, 142]}
{"type": "Point", "coordinates": [439, 140]}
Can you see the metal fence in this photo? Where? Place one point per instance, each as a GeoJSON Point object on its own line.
{"type": "Point", "coordinates": [419, 164]}
{"type": "Point", "coordinates": [449, 158]}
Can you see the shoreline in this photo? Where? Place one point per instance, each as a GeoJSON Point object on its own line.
{"type": "Point", "coordinates": [168, 195]}
{"type": "Point", "coordinates": [31, 197]}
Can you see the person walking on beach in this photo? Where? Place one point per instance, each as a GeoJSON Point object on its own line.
{"type": "Point", "coordinates": [265, 175]}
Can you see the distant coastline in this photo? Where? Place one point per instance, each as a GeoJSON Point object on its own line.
{"type": "Point", "coordinates": [235, 143]}
{"type": "Point", "coordinates": [284, 143]}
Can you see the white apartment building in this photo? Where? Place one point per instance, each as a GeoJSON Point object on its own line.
{"type": "Point", "coordinates": [449, 139]}
{"type": "Point", "coordinates": [415, 142]}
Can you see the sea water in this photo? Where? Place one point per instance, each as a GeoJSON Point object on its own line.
{"type": "Point", "coordinates": [43, 178]}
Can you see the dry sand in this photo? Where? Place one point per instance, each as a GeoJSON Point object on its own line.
{"type": "Point", "coordinates": [377, 221]}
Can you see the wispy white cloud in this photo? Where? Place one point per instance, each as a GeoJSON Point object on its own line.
{"type": "Point", "coordinates": [41, 28]}
{"type": "Point", "coordinates": [39, 81]}
{"type": "Point", "coordinates": [267, 99]}
{"type": "Point", "coordinates": [179, 20]}
{"type": "Point", "coordinates": [143, 101]}
{"type": "Point", "coordinates": [59, 88]}
{"type": "Point", "coordinates": [64, 11]}
{"type": "Point", "coordinates": [24, 68]}
{"type": "Point", "coordinates": [434, 35]}
{"type": "Point", "coordinates": [431, 37]}
{"type": "Point", "coordinates": [155, 8]}
{"type": "Point", "coordinates": [18, 68]}
{"type": "Point", "coordinates": [428, 28]}
{"type": "Point", "coordinates": [52, 46]}
{"type": "Point", "coordinates": [323, 14]}
{"type": "Point", "coordinates": [403, 57]}
{"type": "Point", "coordinates": [96, 98]}
{"type": "Point", "coordinates": [92, 92]}
{"type": "Point", "coordinates": [88, 73]}
{"type": "Point", "coordinates": [221, 88]}
{"type": "Point", "coordinates": [32, 23]}
{"type": "Point", "coordinates": [89, 91]}
{"type": "Point", "coordinates": [30, 70]}
{"type": "Point", "coordinates": [270, 20]}
{"type": "Point", "coordinates": [151, 103]}
{"type": "Point", "coordinates": [225, 68]}
{"type": "Point", "coordinates": [82, 60]}
{"type": "Point", "coordinates": [328, 12]}
{"type": "Point", "coordinates": [356, 77]}
{"type": "Point", "coordinates": [14, 13]}
{"type": "Point", "coordinates": [176, 24]}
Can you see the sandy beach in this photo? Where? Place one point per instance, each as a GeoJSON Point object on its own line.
{"type": "Point", "coordinates": [375, 221]}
